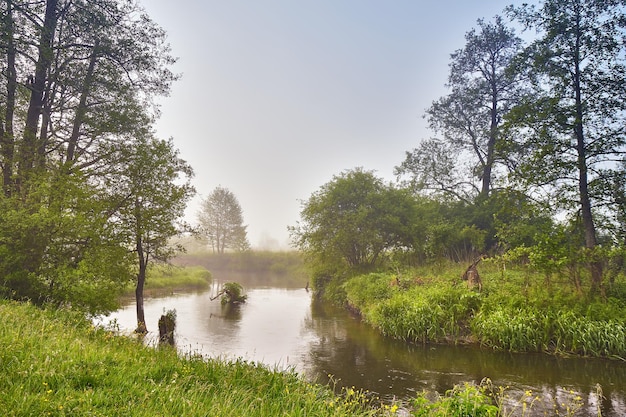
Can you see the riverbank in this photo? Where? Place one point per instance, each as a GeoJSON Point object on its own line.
{"type": "Point", "coordinates": [54, 362]}
{"type": "Point", "coordinates": [276, 268]}
{"type": "Point", "coordinates": [515, 311]}
{"type": "Point", "coordinates": [168, 278]}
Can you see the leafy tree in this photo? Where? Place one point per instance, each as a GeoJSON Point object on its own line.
{"type": "Point", "coordinates": [463, 162]}
{"type": "Point", "coordinates": [352, 222]}
{"type": "Point", "coordinates": [572, 127]}
{"type": "Point", "coordinates": [89, 79]}
{"type": "Point", "coordinates": [151, 189]}
{"type": "Point", "coordinates": [58, 246]}
{"type": "Point", "coordinates": [221, 222]}
{"type": "Point", "coordinates": [79, 79]}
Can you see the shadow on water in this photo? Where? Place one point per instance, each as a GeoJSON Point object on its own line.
{"type": "Point", "coordinates": [283, 328]}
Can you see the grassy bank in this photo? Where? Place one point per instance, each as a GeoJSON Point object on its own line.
{"type": "Point", "coordinates": [285, 265]}
{"type": "Point", "coordinates": [516, 311]}
{"type": "Point", "coordinates": [56, 363]}
{"type": "Point", "coordinates": [168, 277]}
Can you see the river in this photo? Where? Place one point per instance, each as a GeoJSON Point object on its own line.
{"type": "Point", "coordinates": [284, 329]}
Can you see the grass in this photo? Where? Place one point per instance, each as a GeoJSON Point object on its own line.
{"type": "Point", "coordinates": [285, 266]}
{"type": "Point", "coordinates": [516, 311]}
{"type": "Point", "coordinates": [168, 277]}
{"type": "Point", "coordinates": [56, 363]}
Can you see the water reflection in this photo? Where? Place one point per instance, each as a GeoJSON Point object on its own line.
{"type": "Point", "coordinates": [357, 356]}
{"type": "Point", "coordinates": [283, 328]}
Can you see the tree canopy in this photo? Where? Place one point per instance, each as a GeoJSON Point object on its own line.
{"type": "Point", "coordinates": [571, 127]}
{"type": "Point", "coordinates": [528, 157]}
{"type": "Point", "coordinates": [354, 219]}
{"type": "Point", "coordinates": [462, 162]}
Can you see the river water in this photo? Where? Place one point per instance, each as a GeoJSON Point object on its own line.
{"type": "Point", "coordinates": [283, 328]}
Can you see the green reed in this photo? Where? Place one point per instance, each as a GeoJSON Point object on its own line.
{"type": "Point", "coordinates": [516, 311]}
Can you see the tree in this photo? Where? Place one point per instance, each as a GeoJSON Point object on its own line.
{"type": "Point", "coordinates": [572, 128]}
{"type": "Point", "coordinates": [79, 81]}
{"type": "Point", "coordinates": [463, 162]}
{"type": "Point", "coordinates": [151, 189]}
{"type": "Point", "coordinates": [89, 79]}
{"type": "Point", "coordinates": [353, 220]}
{"type": "Point", "coordinates": [221, 222]}
{"type": "Point", "coordinates": [59, 246]}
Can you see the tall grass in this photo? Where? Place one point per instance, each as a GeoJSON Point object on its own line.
{"type": "Point", "coordinates": [56, 363]}
{"type": "Point", "coordinates": [516, 311]}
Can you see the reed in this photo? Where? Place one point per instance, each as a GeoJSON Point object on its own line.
{"type": "Point", "coordinates": [516, 311]}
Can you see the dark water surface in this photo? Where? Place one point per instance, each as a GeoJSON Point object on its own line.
{"type": "Point", "coordinates": [283, 328]}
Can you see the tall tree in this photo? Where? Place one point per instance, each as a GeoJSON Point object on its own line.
{"type": "Point", "coordinates": [221, 221]}
{"type": "Point", "coordinates": [79, 82]}
{"type": "Point", "coordinates": [462, 163]}
{"type": "Point", "coordinates": [151, 189]}
{"type": "Point", "coordinates": [574, 124]}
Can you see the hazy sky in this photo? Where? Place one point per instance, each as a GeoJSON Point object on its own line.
{"type": "Point", "coordinates": [277, 96]}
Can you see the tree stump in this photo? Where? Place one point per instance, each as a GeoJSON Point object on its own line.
{"type": "Point", "coordinates": [167, 325]}
{"type": "Point", "coordinates": [472, 277]}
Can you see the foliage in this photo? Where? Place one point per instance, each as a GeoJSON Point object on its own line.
{"type": "Point", "coordinates": [151, 189]}
{"type": "Point", "coordinates": [569, 129]}
{"type": "Point", "coordinates": [80, 84]}
{"type": "Point", "coordinates": [463, 162]}
{"type": "Point", "coordinates": [465, 400]}
{"type": "Point", "coordinates": [57, 246]}
{"type": "Point", "coordinates": [221, 222]}
{"type": "Point", "coordinates": [351, 223]}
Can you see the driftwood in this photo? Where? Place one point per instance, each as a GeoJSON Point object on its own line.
{"type": "Point", "coordinates": [472, 277]}
{"type": "Point", "coordinates": [231, 293]}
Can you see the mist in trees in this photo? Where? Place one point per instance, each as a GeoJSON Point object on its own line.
{"type": "Point", "coordinates": [221, 222]}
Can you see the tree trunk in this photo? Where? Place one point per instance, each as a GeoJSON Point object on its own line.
{"type": "Point", "coordinates": [491, 142]}
{"type": "Point", "coordinates": [29, 147]}
{"type": "Point", "coordinates": [7, 138]}
{"type": "Point", "coordinates": [82, 105]}
{"type": "Point", "coordinates": [141, 275]}
{"type": "Point", "coordinates": [583, 180]}
{"type": "Point", "coordinates": [141, 316]}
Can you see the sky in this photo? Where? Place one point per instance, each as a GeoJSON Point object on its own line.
{"type": "Point", "coordinates": [278, 96]}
